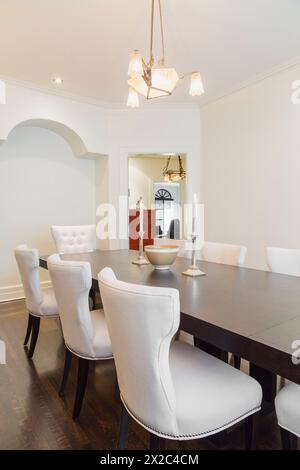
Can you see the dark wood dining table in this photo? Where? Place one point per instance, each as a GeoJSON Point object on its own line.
{"type": "Point", "coordinates": [252, 314]}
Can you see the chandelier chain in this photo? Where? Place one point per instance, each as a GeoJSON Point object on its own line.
{"type": "Point", "coordinates": [151, 37]}
{"type": "Point", "coordinates": [162, 35]}
{"type": "Point", "coordinates": [165, 169]}
{"type": "Point", "coordinates": [162, 60]}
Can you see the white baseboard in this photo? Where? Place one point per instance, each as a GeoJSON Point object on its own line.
{"type": "Point", "coordinates": [16, 292]}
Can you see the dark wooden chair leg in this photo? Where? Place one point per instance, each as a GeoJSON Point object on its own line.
{"type": "Point", "coordinates": [236, 361]}
{"type": "Point", "coordinates": [83, 371]}
{"type": "Point", "coordinates": [249, 433]}
{"type": "Point", "coordinates": [92, 296]}
{"type": "Point", "coordinates": [117, 389]}
{"type": "Point", "coordinates": [123, 431]}
{"type": "Point", "coordinates": [288, 440]}
{"type": "Point", "coordinates": [68, 362]}
{"type": "Point", "coordinates": [294, 442]}
{"type": "Point", "coordinates": [285, 439]}
{"type": "Point", "coordinates": [156, 442]}
{"type": "Point", "coordinates": [29, 328]}
{"type": "Point", "coordinates": [162, 443]}
{"type": "Point", "coordinates": [177, 336]}
{"type": "Point", "coordinates": [34, 334]}
{"type": "Point", "coordinates": [196, 342]}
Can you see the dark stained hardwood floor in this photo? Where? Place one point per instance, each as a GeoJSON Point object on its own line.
{"type": "Point", "coordinates": [32, 416]}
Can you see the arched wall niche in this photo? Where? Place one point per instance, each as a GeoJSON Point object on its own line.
{"type": "Point", "coordinates": [78, 146]}
{"type": "Point", "coordinates": [80, 149]}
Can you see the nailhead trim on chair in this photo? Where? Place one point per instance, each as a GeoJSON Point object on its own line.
{"type": "Point", "coordinates": [43, 316]}
{"type": "Point", "coordinates": [88, 358]}
{"type": "Point", "coordinates": [193, 436]}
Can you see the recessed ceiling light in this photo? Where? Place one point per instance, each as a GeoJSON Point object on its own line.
{"type": "Point", "coordinates": [58, 81]}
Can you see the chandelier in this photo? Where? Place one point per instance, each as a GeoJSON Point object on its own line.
{"type": "Point", "coordinates": [174, 175]}
{"type": "Point", "coordinates": [153, 80]}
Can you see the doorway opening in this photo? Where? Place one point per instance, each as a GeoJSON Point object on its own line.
{"type": "Point", "coordinates": [163, 200]}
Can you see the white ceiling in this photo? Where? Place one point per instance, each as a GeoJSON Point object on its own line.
{"type": "Point", "coordinates": [88, 42]}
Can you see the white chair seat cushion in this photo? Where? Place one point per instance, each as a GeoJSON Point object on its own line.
{"type": "Point", "coordinates": [287, 404]}
{"type": "Point", "coordinates": [49, 305]}
{"type": "Point", "coordinates": [210, 394]}
{"type": "Point", "coordinates": [101, 344]}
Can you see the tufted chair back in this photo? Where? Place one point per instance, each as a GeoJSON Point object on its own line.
{"type": "Point", "coordinates": [223, 253]}
{"type": "Point", "coordinates": [142, 321]}
{"type": "Point", "coordinates": [72, 281]}
{"type": "Point", "coordinates": [74, 238]}
{"type": "Point", "coordinates": [28, 264]}
{"type": "Point", "coordinates": [284, 261]}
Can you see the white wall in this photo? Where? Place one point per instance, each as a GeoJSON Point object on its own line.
{"type": "Point", "coordinates": [41, 183]}
{"type": "Point", "coordinates": [250, 167]}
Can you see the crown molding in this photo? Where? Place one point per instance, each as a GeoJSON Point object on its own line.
{"type": "Point", "coordinates": [60, 93]}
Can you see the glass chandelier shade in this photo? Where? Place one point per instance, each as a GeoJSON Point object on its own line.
{"type": "Point", "coordinates": [196, 88]}
{"type": "Point", "coordinates": [172, 178]}
{"type": "Point", "coordinates": [133, 99]}
{"type": "Point", "coordinates": [135, 66]}
{"type": "Point", "coordinates": [155, 82]}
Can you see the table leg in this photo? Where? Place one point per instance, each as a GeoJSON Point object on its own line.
{"type": "Point", "coordinates": [210, 349]}
{"type": "Point", "coordinates": [267, 380]}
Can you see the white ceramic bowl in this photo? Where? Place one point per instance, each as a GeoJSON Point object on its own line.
{"type": "Point", "coordinates": [163, 256]}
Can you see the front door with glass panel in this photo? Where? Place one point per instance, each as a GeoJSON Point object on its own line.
{"type": "Point", "coordinates": [167, 201]}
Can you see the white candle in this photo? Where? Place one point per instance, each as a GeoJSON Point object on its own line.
{"type": "Point", "coordinates": [195, 213]}
{"type": "Point", "coordinates": [141, 208]}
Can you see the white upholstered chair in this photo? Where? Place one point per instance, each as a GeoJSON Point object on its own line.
{"type": "Point", "coordinates": [74, 238]}
{"type": "Point", "coordinates": [170, 388]}
{"type": "Point", "coordinates": [40, 303]}
{"type": "Point", "coordinates": [284, 261]}
{"type": "Point", "coordinates": [223, 253]}
{"type": "Point", "coordinates": [85, 333]}
{"type": "Point", "coordinates": [287, 404]}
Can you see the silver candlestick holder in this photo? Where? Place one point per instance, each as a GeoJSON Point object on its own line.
{"type": "Point", "coordinates": [141, 260]}
{"type": "Point", "coordinates": [193, 270]}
